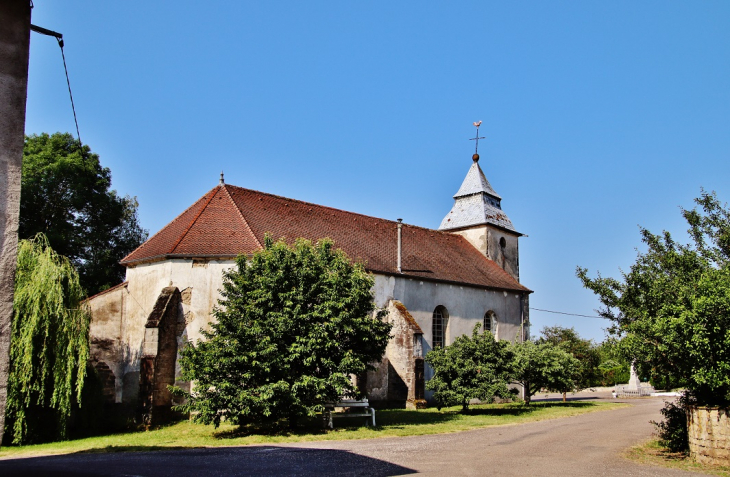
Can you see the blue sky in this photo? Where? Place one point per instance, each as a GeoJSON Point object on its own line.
{"type": "Point", "coordinates": [598, 116]}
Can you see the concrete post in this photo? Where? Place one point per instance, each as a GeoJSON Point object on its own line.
{"type": "Point", "coordinates": [14, 49]}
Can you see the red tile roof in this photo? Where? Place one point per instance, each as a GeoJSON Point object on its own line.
{"type": "Point", "coordinates": [229, 220]}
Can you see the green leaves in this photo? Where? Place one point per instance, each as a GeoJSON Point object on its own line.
{"type": "Point", "coordinates": [673, 307]}
{"type": "Point", "coordinates": [65, 194]}
{"type": "Point", "coordinates": [472, 367]}
{"type": "Point", "coordinates": [49, 343]}
{"type": "Point", "coordinates": [544, 365]}
{"type": "Point", "coordinates": [294, 323]}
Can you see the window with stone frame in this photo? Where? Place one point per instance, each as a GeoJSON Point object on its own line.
{"type": "Point", "coordinates": [438, 330]}
{"type": "Point", "coordinates": [490, 322]}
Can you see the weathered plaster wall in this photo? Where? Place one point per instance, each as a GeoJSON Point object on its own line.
{"type": "Point", "coordinates": [120, 315]}
{"type": "Point", "coordinates": [107, 350]}
{"type": "Point", "coordinates": [466, 306]}
{"type": "Point", "coordinates": [487, 240]}
{"type": "Point", "coordinates": [396, 380]}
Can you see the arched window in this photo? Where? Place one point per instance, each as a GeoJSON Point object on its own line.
{"type": "Point", "coordinates": [490, 322]}
{"type": "Point", "coordinates": [440, 322]}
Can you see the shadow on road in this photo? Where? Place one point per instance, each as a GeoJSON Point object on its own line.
{"type": "Point", "coordinates": [259, 460]}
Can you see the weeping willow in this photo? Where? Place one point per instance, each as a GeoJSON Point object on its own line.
{"type": "Point", "coordinates": [49, 343]}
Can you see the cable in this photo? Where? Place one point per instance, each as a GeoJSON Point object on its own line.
{"type": "Point", "coordinates": [73, 108]}
{"type": "Point", "coordinates": [59, 38]}
{"type": "Point", "coordinates": [569, 314]}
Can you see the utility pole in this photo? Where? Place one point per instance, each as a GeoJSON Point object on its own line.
{"type": "Point", "coordinates": [14, 50]}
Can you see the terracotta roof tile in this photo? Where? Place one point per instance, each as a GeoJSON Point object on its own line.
{"type": "Point", "coordinates": [230, 220]}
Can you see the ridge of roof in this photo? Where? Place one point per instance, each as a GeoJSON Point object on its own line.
{"type": "Point", "coordinates": [240, 214]}
{"type": "Point", "coordinates": [304, 202]}
{"type": "Point", "coordinates": [207, 229]}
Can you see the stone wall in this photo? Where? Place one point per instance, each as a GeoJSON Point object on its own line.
{"type": "Point", "coordinates": [396, 380]}
{"type": "Point", "coordinates": [159, 354]}
{"type": "Point", "coordinates": [709, 435]}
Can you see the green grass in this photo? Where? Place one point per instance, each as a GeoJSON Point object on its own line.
{"type": "Point", "coordinates": [391, 423]}
{"type": "Point", "coordinates": [652, 453]}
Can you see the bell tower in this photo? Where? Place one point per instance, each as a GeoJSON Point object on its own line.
{"type": "Point", "coordinates": [477, 216]}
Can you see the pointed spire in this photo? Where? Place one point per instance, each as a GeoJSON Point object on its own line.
{"type": "Point", "coordinates": [476, 202]}
{"type": "Point", "coordinates": [222, 182]}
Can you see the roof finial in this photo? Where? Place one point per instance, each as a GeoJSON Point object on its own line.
{"type": "Point", "coordinates": [222, 182]}
{"type": "Point", "coordinates": [475, 157]}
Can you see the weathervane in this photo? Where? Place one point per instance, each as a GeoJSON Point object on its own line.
{"type": "Point", "coordinates": [475, 157]}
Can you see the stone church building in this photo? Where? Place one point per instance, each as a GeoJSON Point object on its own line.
{"type": "Point", "coordinates": [436, 284]}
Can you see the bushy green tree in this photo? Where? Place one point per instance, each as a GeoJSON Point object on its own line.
{"type": "Point", "coordinates": [472, 367]}
{"type": "Point", "coordinates": [614, 367]}
{"type": "Point", "coordinates": [543, 365]}
{"type": "Point", "coordinates": [49, 344]}
{"type": "Point", "coordinates": [582, 349]}
{"type": "Point", "coordinates": [294, 324]}
{"type": "Point", "coordinates": [65, 194]}
{"type": "Point", "coordinates": [672, 307]}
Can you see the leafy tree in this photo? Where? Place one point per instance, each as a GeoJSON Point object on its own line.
{"type": "Point", "coordinates": [65, 195]}
{"type": "Point", "coordinates": [294, 324]}
{"type": "Point", "coordinates": [472, 367]}
{"type": "Point", "coordinates": [543, 366]}
{"type": "Point", "coordinates": [614, 367]}
{"type": "Point", "coordinates": [583, 350]}
{"type": "Point", "coordinates": [673, 306]}
{"type": "Point", "coordinates": [49, 344]}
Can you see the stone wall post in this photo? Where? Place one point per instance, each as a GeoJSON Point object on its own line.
{"type": "Point", "coordinates": [709, 435]}
{"type": "Point", "coordinates": [14, 51]}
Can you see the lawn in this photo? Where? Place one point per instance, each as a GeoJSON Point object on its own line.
{"type": "Point", "coordinates": [391, 423]}
{"type": "Point", "coordinates": [652, 453]}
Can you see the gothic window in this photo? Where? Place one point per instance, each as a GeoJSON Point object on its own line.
{"type": "Point", "coordinates": [490, 322]}
{"type": "Point", "coordinates": [440, 322]}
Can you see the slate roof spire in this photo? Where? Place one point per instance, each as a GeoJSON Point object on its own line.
{"type": "Point", "coordinates": [476, 202]}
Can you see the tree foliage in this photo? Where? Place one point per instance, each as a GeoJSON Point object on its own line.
{"type": "Point", "coordinates": [294, 324]}
{"type": "Point", "coordinates": [544, 365]}
{"type": "Point", "coordinates": [472, 367]}
{"type": "Point", "coordinates": [65, 195]}
{"type": "Point", "coordinates": [49, 344]}
{"type": "Point", "coordinates": [672, 307]}
{"type": "Point", "coordinates": [582, 349]}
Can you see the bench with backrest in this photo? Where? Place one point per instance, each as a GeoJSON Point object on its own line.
{"type": "Point", "coordinates": [358, 405]}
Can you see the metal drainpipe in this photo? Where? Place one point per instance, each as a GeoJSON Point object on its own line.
{"type": "Point", "coordinates": [400, 243]}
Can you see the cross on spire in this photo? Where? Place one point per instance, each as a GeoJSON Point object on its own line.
{"type": "Point", "coordinates": [476, 138]}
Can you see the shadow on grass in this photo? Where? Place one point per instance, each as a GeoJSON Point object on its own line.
{"type": "Point", "coordinates": [396, 418]}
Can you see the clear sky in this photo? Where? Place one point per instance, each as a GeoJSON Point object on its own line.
{"type": "Point", "coordinates": [598, 116]}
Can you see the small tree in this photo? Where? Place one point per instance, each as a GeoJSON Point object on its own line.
{"type": "Point", "coordinates": [472, 367]}
{"type": "Point", "coordinates": [294, 324]}
{"type": "Point", "coordinates": [543, 366]}
{"type": "Point", "coordinates": [583, 350]}
{"type": "Point", "coordinates": [49, 344]}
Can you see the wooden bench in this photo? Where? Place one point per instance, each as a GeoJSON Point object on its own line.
{"type": "Point", "coordinates": [363, 405]}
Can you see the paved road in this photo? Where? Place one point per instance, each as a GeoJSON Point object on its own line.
{"type": "Point", "coordinates": [589, 444]}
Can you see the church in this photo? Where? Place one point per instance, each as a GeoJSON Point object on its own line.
{"type": "Point", "coordinates": [436, 285]}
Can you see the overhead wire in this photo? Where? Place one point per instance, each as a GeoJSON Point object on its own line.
{"type": "Point", "coordinates": [59, 38]}
{"type": "Point", "coordinates": [569, 314]}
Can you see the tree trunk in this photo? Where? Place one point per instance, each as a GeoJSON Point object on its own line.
{"type": "Point", "coordinates": [14, 47]}
{"type": "Point", "coordinates": [565, 397]}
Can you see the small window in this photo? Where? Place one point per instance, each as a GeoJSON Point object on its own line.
{"type": "Point", "coordinates": [490, 322]}
{"type": "Point", "coordinates": [502, 243]}
{"type": "Point", "coordinates": [440, 322]}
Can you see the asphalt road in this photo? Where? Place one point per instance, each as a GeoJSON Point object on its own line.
{"type": "Point", "coordinates": [589, 444]}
